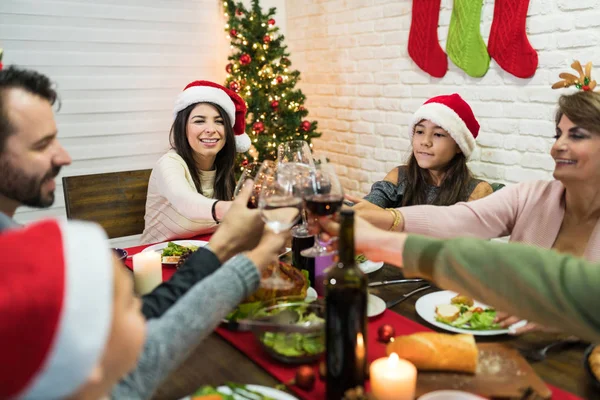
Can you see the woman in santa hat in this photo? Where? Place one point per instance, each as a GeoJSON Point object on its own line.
{"type": "Point", "coordinates": [191, 187]}
{"type": "Point", "coordinates": [443, 132]}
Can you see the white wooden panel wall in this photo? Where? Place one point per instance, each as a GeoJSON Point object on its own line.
{"type": "Point", "coordinates": [118, 65]}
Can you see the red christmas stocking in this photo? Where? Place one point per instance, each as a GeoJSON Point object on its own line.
{"type": "Point", "coordinates": [508, 43]}
{"type": "Point", "coordinates": [423, 44]}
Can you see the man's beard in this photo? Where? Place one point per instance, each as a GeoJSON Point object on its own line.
{"type": "Point", "coordinates": [16, 185]}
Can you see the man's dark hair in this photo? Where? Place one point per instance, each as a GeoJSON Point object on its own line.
{"type": "Point", "coordinates": [28, 80]}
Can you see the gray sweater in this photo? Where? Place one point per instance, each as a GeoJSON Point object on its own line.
{"type": "Point", "coordinates": [193, 317]}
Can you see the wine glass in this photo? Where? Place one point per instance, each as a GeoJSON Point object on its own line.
{"type": "Point", "coordinates": [323, 197]}
{"type": "Point", "coordinates": [250, 171]}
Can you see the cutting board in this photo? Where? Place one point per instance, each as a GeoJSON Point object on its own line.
{"type": "Point", "coordinates": [502, 373]}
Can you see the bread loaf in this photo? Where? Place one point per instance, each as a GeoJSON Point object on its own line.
{"type": "Point", "coordinates": [431, 351]}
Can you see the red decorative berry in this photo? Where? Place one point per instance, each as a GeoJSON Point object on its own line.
{"type": "Point", "coordinates": [245, 59]}
{"type": "Point", "coordinates": [233, 85]}
{"type": "Point", "coordinates": [305, 125]}
{"type": "Point", "coordinates": [271, 22]}
{"type": "Point", "coordinates": [385, 333]}
{"type": "Point", "coordinates": [585, 88]}
{"type": "Point", "coordinates": [279, 79]}
{"type": "Point", "coordinates": [258, 127]}
{"type": "Point", "coordinates": [229, 68]}
{"type": "Point", "coordinates": [267, 39]}
{"type": "Point", "coordinates": [274, 104]}
{"type": "Point", "coordinates": [233, 33]}
{"type": "Point", "coordinates": [305, 377]}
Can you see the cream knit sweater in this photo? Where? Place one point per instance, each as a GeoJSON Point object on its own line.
{"type": "Point", "coordinates": [174, 208]}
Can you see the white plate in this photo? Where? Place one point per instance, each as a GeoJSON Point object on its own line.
{"type": "Point", "coordinates": [160, 246]}
{"type": "Point", "coordinates": [450, 395]}
{"type": "Point", "coordinates": [264, 390]}
{"type": "Point", "coordinates": [370, 266]}
{"type": "Point", "coordinates": [375, 306]}
{"type": "Point", "coordinates": [426, 305]}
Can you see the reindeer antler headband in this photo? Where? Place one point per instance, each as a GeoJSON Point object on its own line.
{"type": "Point", "coordinates": [583, 82]}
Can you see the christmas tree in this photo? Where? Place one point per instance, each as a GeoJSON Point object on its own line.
{"type": "Point", "coordinates": [259, 70]}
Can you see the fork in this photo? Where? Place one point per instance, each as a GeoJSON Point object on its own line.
{"type": "Point", "coordinates": [541, 353]}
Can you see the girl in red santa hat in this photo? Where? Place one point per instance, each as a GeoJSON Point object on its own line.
{"type": "Point", "coordinates": [191, 187]}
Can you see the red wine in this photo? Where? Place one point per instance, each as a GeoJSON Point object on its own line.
{"type": "Point", "coordinates": [299, 243]}
{"type": "Point", "coordinates": [346, 317]}
{"type": "Point", "coordinates": [324, 204]}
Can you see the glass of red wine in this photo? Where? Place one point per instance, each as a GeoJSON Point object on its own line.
{"type": "Point", "coordinates": [250, 171]}
{"type": "Point", "coordinates": [323, 197]}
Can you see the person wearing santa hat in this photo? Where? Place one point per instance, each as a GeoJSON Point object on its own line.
{"type": "Point", "coordinates": [191, 187]}
{"type": "Point", "coordinates": [442, 132]}
{"type": "Point", "coordinates": [70, 326]}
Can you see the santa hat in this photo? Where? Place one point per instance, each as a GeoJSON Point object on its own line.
{"type": "Point", "coordinates": [454, 115]}
{"type": "Point", "coordinates": [55, 308]}
{"type": "Point", "coordinates": [228, 100]}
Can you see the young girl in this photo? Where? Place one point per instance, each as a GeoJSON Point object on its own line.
{"type": "Point", "coordinates": [191, 186]}
{"type": "Point", "coordinates": [443, 132]}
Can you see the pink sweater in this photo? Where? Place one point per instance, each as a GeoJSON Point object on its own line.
{"type": "Point", "coordinates": [531, 213]}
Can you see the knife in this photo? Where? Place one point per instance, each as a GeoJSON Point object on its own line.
{"type": "Point", "coordinates": [392, 303]}
{"type": "Point", "coordinates": [395, 281]}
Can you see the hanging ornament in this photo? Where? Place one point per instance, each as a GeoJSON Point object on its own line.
{"type": "Point", "coordinates": [229, 68]}
{"type": "Point", "coordinates": [301, 108]}
{"type": "Point", "coordinates": [245, 162]}
{"type": "Point", "coordinates": [271, 22]}
{"type": "Point", "coordinates": [279, 79]}
{"type": "Point", "coordinates": [305, 125]}
{"type": "Point", "coordinates": [285, 62]}
{"type": "Point", "coordinates": [274, 104]}
{"type": "Point", "coordinates": [233, 33]}
{"type": "Point", "coordinates": [234, 85]}
{"type": "Point", "coordinates": [239, 12]}
{"type": "Point", "coordinates": [245, 59]}
{"type": "Point", "coordinates": [267, 39]}
{"type": "Point", "coordinates": [258, 127]}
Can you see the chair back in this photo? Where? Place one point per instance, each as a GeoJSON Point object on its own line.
{"type": "Point", "coordinates": [116, 200]}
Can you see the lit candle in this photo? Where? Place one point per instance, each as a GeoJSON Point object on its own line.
{"type": "Point", "coordinates": [147, 271]}
{"type": "Point", "coordinates": [360, 353]}
{"type": "Point", "coordinates": [393, 378]}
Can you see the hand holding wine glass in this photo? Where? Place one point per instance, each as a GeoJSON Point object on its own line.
{"type": "Point", "coordinates": [250, 171]}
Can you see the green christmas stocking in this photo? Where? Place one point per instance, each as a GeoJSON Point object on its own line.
{"type": "Point", "coordinates": [465, 46]}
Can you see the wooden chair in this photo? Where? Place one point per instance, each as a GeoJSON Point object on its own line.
{"type": "Point", "coordinates": [116, 201]}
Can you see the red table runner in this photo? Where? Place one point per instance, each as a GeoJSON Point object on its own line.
{"type": "Point", "coordinates": [245, 342]}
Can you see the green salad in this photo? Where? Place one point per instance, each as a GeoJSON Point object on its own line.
{"type": "Point", "coordinates": [240, 391]}
{"type": "Point", "coordinates": [465, 315]}
{"type": "Point", "coordinates": [360, 258]}
{"type": "Point", "coordinates": [173, 249]}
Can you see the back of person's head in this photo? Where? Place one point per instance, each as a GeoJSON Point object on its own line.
{"type": "Point", "coordinates": [582, 108]}
{"type": "Point", "coordinates": [58, 305]}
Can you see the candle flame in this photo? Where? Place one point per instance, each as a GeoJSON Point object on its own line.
{"type": "Point", "coordinates": [393, 360]}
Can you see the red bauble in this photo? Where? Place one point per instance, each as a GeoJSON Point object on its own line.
{"type": "Point", "coordinates": [274, 104]}
{"type": "Point", "coordinates": [244, 163]}
{"type": "Point", "coordinates": [305, 377]}
{"type": "Point", "coordinates": [301, 108]}
{"type": "Point", "coordinates": [271, 22]}
{"type": "Point", "coordinates": [229, 68]}
{"type": "Point", "coordinates": [245, 59]}
{"type": "Point", "coordinates": [267, 39]}
{"type": "Point", "coordinates": [385, 333]}
{"type": "Point", "coordinates": [233, 85]}
{"type": "Point", "coordinates": [258, 127]}
{"type": "Point", "coordinates": [279, 79]}
{"type": "Point", "coordinates": [239, 12]}
{"type": "Point", "coordinates": [305, 125]}
{"type": "Point", "coordinates": [233, 33]}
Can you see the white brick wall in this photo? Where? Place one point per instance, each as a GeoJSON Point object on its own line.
{"type": "Point", "coordinates": [359, 49]}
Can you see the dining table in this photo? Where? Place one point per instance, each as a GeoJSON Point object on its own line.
{"type": "Point", "coordinates": [216, 361]}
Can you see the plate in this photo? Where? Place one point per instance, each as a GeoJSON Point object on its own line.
{"type": "Point", "coordinates": [264, 390]}
{"type": "Point", "coordinates": [375, 306]}
{"type": "Point", "coordinates": [426, 305]}
{"type": "Point", "coordinates": [370, 266]}
{"type": "Point", "coordinates": [160, 246]}
{"type": "Point", "coordinates": [450, 395]}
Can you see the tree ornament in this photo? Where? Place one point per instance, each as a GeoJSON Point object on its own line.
{"type": "Point", "coordinates": [305, 125]}
{"type": "Point", "coordinates": [234, 85]}
{"type": "Point", "coordinates": [385, 333]}
{"type": "Point", "coordinates": [279, 79]}
{"type": "Point", "coordinates": [274, 104]}
{"type": "Point", "coordinates": [233, 33]}
{"type": "Point", "coordinates": [266, 39]}
{"type": "Point", "coordinates": [245, 162]}
{"type": "Point", "coordinates": [258, 127]}
{"type": "Point", "coordinates": [229, 68]}
{"type": "Point", "coordinates": [285, 62]}
{"type": "Point", "coordinates": [271, 22]}
{"type": "Point", "coordinates": [245, 59]}
{"type": "Point", "coordinates": [239, 12]}
{"type": "Point", "coordinates": [301, 108]}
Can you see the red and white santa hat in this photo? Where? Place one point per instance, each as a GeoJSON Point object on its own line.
{"type": "Point", "coordinates": [228, 100]}
{"type": "Point", "coordinates": [55, 307]}
{"type": "Point", "coordinates": [454, 115]}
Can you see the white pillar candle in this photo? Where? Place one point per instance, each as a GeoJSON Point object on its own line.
{"type": "Point", "coordinates": [393, 378]}
{"type": "Point", "coordinates": [147, 271]}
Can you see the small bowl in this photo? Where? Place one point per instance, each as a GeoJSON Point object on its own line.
{"type": "Point", "coordinates": [588, 369]}
{"type": "Point", "coordinates": [292, 347]}
{"type": "Point", "coordinates": [121, 253]}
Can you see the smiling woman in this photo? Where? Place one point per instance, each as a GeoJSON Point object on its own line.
{"type": "Point", "coordinates": [191, 187]}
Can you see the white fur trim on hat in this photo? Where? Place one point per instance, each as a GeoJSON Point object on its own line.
{"type": "Point", "coordinates": [448, 119]}
{"type": "Point", "coordinates": [205, 94]}
{"type": "Point", "coordinates": [242, 143]}
{"type": "Point", "coordinates": [86, 316]}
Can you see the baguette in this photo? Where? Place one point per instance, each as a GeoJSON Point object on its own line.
{"type": "Point", "coordinates": [431, 351]}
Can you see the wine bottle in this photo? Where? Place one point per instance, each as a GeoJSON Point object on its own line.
{"type": "Point", "coordinates": [346, 317]}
